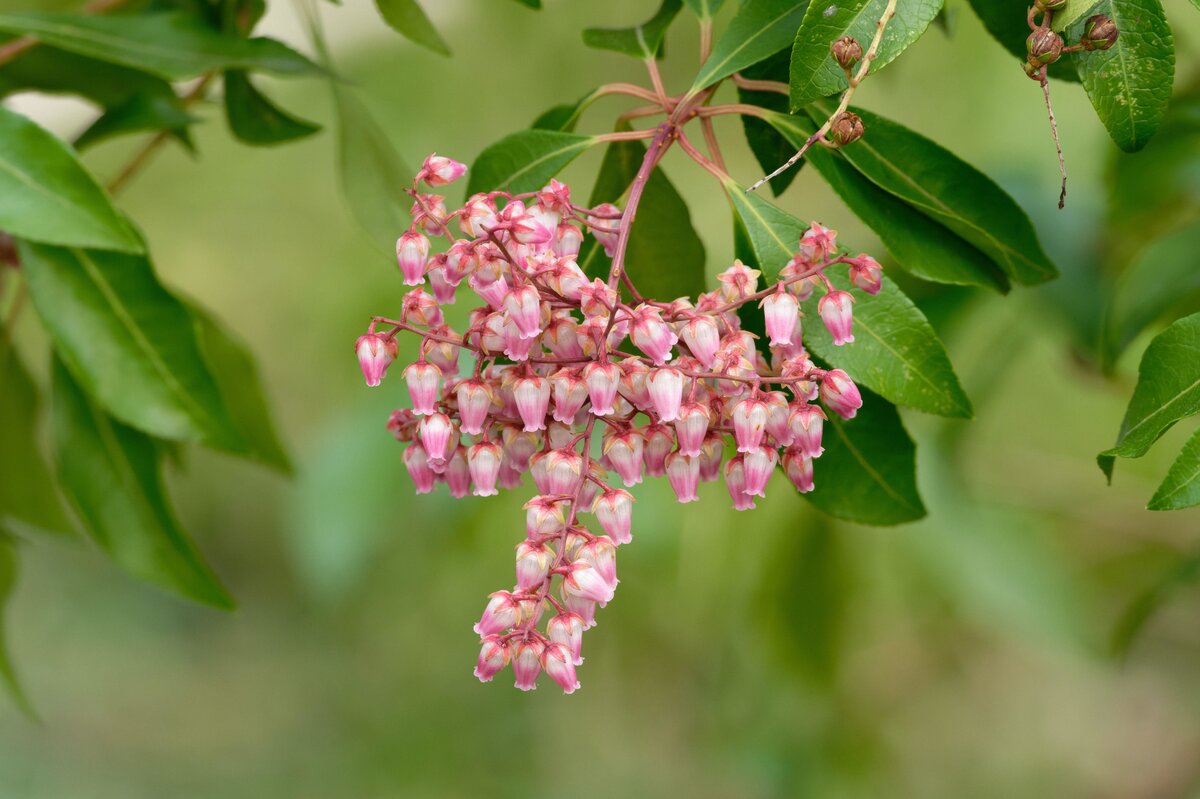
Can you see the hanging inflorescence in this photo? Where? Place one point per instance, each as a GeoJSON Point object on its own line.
{"type": "Point", "coordinates": [571, 383]}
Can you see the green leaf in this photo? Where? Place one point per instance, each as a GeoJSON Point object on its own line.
{"type": "Point", "coordinates": [896, 352]}
{"type": "Point", "coordinates": [112, 476]}
{"type": "Point", "coordinates": [525, 160]}
{"type": "Point", "coordinates": [54, 71]}
{"type": "Point", "coordinates": [241, 388]}
{"type": "Point", "coordinates": [27, 493]}
{"type": "Point", "coordinates": [815, 74]}
{"type": "Point", "coordinates": [640, 41]}
{"type": "Point", "coordinates": [535, 4]}
{"type": "Point", "coordinates": [254, 119]}
{"type": "Point", "coordinates": [921, 246]}
{"type": "Point", "coordinates": [770, 148]}
{"type": "Point", "coordinates": [1005, 20]}
{"type": "Point", "coordinates": [942, 186]}
{"type": "Point", "coordinates": [1129, 84]}
{"type": "Point", "coordinates": [565, 116]}
{"type": "Point", "coordinates": [868, 473]}
{"type": "Point", "coordinates": [408, 19]}
{"type": "Point", "coordinates": [1074, 10]}
{"type": "Point", "coordinates": [373, 176]}
{"type": "Point", "coordinates": [665, 257]}
{"type": "Point", "coordinates": [706, 9]}
{"type": "Point", "coordinates": [1163, 276]}
{"type": "Point", "coordinates": [8, 580]}
{"type": "Point", "coordinates": [1168, 389]}
{"type": "Point", "coordinates": [1181, 487]}
{"type": "Point", "coordinates": [129, 341]}
{"type": "Point", "coordinates": [141, 113]}
{"type": "Point", "coordinates": [172, 45]}
{"type": "Point", "coordinates": [47, 195]}
{"type": "Point", "coordinates": [760, 29]}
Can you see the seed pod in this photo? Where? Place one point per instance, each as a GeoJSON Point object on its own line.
{"type": "Point", "coordinates": [1044, 46]}
{"type": "Point", "coordinates": [846, 51]}
{"type": "Point", "coordinates": [846, 129]}
{"type": "Point", "coordinates": [1099, 33]}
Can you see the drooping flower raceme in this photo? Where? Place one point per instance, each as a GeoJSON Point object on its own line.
{"type": "Point", "coordinates": [587, 393]}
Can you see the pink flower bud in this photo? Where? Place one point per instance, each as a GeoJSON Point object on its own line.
{"type": "Point", "coordinates": [564, 470]}
{"type": "Point", "coordinates": [562, 337]}
{"type": "Point", "coordinates": [839, 394]}
{"type": "Point", "coordinates": [735, 481]}
{"type": "Point", "coordinates": [665, 387]}
{"type": "Point", "coordinates": [523, 226]}
{"type": "Point", "coordinates": [585, 608]}
{"type": "Point", "coordinates": [652, 335]}
{"type": "Point", "coordinates": [533, 401]}
{"type": "Point", "coordinates": [516, 346]}
{"type": "Point", "coordinates": [559, 664]}
{"type": "Point", "coordinates": [781, 312]}
{"type": "Point", "coordinates": [777, 417]}
{"type": "Point", "coordinates": [375, 354]}
{"type": "Point", "coordinates": [818, 243]}
{"type": "Point", "coordinates": [614, 511]}
{"type": "Point", "coordinates": [527, 663]}
{"type": "Point", "coordinates": [807, 423]}
{"type": "Point", "coordinates": [585, 582]}
{"type": "Point", "coordinates": [660, 440]}
{"type": "Point", "coordinates": [866, 273]}
{"type": "Point", "coordinates": [544, 515]}
{"type": "Point", "coordinates": [597, 299]}
{"type": "Point", "coordinates": [570, 392]}
{"type": "Point", "coordinates": [443, 291]}
{"type": "Point", "coordinates": [510, 476]}
{"type": "Point", "coordinates": [738, 282]}
{"type": "Point", "coordinates": [429, 213]}
{"type": "Point", "coordinates": [683, 472]}
{"type": "Point", "coordinates": [567, 240]}
{"type": "Point", "coordinates": [417, 463]}
{"type": "Point", "coordinates": [422, 379]}
{"type": "Point", "coordinates": [533, 564]}
{"type": "Point", "coordinates": [710, 457]}
{"type": "Point", "coordinates": [434, 431]}
{"type": "Point", "coordinates": [524, 307]}
{"type": "Point", "coordinates": [501, 613]}
{"type": "Point", "coordinates": [483, 461]}
{"type": "Point", "coordinates": [602, 380]}
{"type": "Point", "coordinates": [838, 315]}
{"type": "Point", "coordinates": [519, 446]}
{"type": "Point", "coordinates": [601, 554]}
{"type": "Point", "coordinates": [604, 226]}
{"type": "Point", "coordinates": [703, 338]}
{"type": "Point", "coordinates": [690, 427]}
{"type": "Point", "coordinates": [799, 469]}
{"type": "Point", "coordinates": [440, 171]}
{"type": "Point", "coordinates": [458, 474]}
{"type": "Point", "coordinates": [566, 629]}
{"type": "Point", "coordinates": [749, 423]}
{"type": "Point", "coordinates": [412, 251]}
{"type": "Point", "coordinates": [624, 452]}
{"type": "Point", "coordinates": [420, 308]}
{"type": "Point", "coordinates": [402, 423]}
{"type": "Point", "coordinates": [493, 656]}
{"type": "Point", "coordinates": [474, 400]}
{"type": "Point", "coordinates": [757, 465]}
{"type": "Point", "coordinates": [478, 216]}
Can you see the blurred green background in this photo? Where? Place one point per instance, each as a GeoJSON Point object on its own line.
{"type": "Point", "coordinates": [774, 653]}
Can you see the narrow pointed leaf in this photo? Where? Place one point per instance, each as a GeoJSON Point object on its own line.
{"type": "Point", "coordinates": [129, 341]}
{"type": "Point", "coordinates": [1129, 84]}
{"type": "Point", "coordinates": [920, 245]}
{"type": "Point", "coordinates": [254, 119]}
{"type": "Point", "coordinates": [373, 176]}
{"type": "Point", "coordinates": [1181, 487]}
{"type": "Point", "coordinates": [563, 117]}
{"type": "Point", "coordinates": [47, 195]}
{"type": "Point", "coordinates": [770, 148]}
{"type": "Point", "coordinates": [640, 41]}
{"type": "Point", "coordinates": [112, 475]}
{"type": "Point", "coordinates": [141, 113]}
{"type": "Point", "coordinates": [408, 19]}
{"type": "Point", "coordinates": [8, 580]}
{"type": "Point", "coordinates": [525, 160]}
{"type": "Point", "coordinates": [1168, 389]}
{"type": "Point", "coordinates": [949, 190]}
{"type": "Point", "coordinates": [172, 45]}
{"type": "Point", "coordinates": [814, 72]}
{"type": "Point", "coordinates": [760, 29]}
{"type": "Point", "coordinates": [896, 352]}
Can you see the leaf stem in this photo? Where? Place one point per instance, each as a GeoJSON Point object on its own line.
{"type": "Point", "coordinates": [749, 84]}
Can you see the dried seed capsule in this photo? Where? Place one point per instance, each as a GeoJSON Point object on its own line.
{"type": "Point", "coordinates": [846, 51]}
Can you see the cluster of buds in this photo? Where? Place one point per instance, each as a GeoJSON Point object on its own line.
{"type": "Point", "coordinates": [1045, 46]}
{"type": "Point", "coordinates": [588, 392]}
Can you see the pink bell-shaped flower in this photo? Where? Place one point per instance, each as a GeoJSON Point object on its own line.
{"type": "Point", "coordinates": [533, 564]}
{"type": "Point", "coordinates": [493, 656]}
{"type": "Point", "coordinates": [735, 481]}
{"type": "Point", "coordinates": [839, 394]}
{"type": "Point", "coordinates": [807, 423]}
{"type": "Point", "coordinates": [602, 380]}
{"type": "Point", "coordinates": [683, 472]}
{"type": "Point", "coordinates": [559, 664]}
{"type": "Point", "coordinates": [412, 253]}
{"type": "Point", "coordinates": [501, 613]}
{"type": "Point", "coordinates": [757, 465]}
{"type": "Point", "coordinates": [703, 339]}
{"type": "Point", "coordinates": [665, 386]}
{"type": "Point", "coordinates": [422, 378]}
{"type": "Point", "coordinates": [691, 425]}
{"type": "Point", "coordinates": [440, 171]}
{"type": "Point", "coordinates": [527, 663]}
{"type": "Point", "coordinates": [837, 312]}
{"type": "Point", "coordinates": [799, 469]}
{"type": "Point", "coordinates": [567, 629]}
{"type": "Point", "coordinates": [624, 451]}
{"type": "Point", "coordinates": [417, 463]}
{"type": "Point", "coordinates": [614, 511]}
{"type": "Point", "coordinates": [532, 395]}
{"type": "Point", "coordinates": [375, 354]}
{"type": "Point", "coordinates": [781, 313]}
{"type": "Point", "coordinates": [749, 423]}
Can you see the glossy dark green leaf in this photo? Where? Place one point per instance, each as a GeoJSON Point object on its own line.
{"type": "Point", "coordinates": [640, 41]}
{"type": "Point", "coordinates": [129, 341]}
{"type": "Point", "coordinates": [27, 494]}
{"type": "Point", "coordinates": [944, 187]}
{"type": "Point", "coordinates": [172, 45]}
{"type": "Point", "coordinates": [112, 476]}
{"type": "Point", "coordinates": [705, 9]}
{"type": "Point", "coordinates": [1129, 84]}
{"type": "Point", "coordinates": [54, 71]}
{"type": "Point", "coordinates": [373, 177]}
{"type": "Point", "coordinates": [408, 19]}
{"type": "Point", "coordinates": [8, 580]}
{"type": "Point", "coordinates": [1163, 276]}
{"type": "Point", "coordinates": [525, 160]}
{"type": "Point", "coordinates": [47, 195]}
{"type": "Point", "coordinates": [141, 113]}
{"type": "Point", "coordinates": [770, 148]}
{"type": "Point", "coordinates": [1073, 11]}
{"type": "Point", "coordinates": [868, 473]}
{"type": "Point", "coordinates": [665, 257]}
{"type": "Point", "coordinates": [921, 246]}
{"type": "Point", "coordinates": [760, 29]}
{"type": "Point", "coordinates": [563, 117]}
{"type": "Point", "coordinates": [254, 119]}
{"type": "Point", "coordinates": [1181, 487]}
{"type": "Point", "coordinates": [814, 73]}
{"type": "Point", "coordinates": [1168, 389]}
{"type": "Point", "coordinates": [1005, 20]}
{"type": "Point", "coordinates": [896, 352]}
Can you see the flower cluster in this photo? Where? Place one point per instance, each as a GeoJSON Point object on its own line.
{"type": "Point", "coordinates": [573, 383]}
